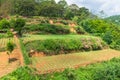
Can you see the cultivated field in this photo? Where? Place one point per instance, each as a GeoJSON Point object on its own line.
{"type": "Point", "coordinates": [4, 41]}
{"type": "Point", "coordinates": [49, 64]}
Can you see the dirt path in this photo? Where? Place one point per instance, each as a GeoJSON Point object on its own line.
{"type": "Point", "coordinates": [16, 60]}
{"type": "Point", "coordinates": [60, 62]}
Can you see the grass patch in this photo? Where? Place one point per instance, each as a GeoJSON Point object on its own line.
{"type": "Point", "coordinates": [63, 45]}
{"type": "Point", "coordinates": [25, 54]}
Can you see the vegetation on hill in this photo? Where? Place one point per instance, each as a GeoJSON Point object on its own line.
{"type": "Point", "coordinates": [54, 23]}
{"type": "Point", "coordinates": [47, 8]}
{"type": "Point", "coordinates": [66, 45]}
{"type": "Point", "coordinates": [47, 29]}
{"type": "Point", "coordinates": [114, 19]}
{"type": "Point", "coordinates": [109, 32]}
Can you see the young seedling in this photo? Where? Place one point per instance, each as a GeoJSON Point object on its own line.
{"type": "Point", "coordinates": [10, 48]}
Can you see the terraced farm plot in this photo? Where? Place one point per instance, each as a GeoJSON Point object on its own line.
{"type": "Point", "coordinates": [4, 41]}
{"type": "Point", "coordinates": [29, 38]}
{"type": "Point", "coordinates": [60, 62]}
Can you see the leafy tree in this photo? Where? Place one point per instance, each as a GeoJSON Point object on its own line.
{"type": "Point", "coordinates": [18, 25]}
{"type": "Point", "coordinates": [50, 9]}
{"type": "Point", "coordinates": [24, 7]}
{"type": "Point", "coordinates": [5, 7]}
{"type": "Point", "coordinates": [63, 3]}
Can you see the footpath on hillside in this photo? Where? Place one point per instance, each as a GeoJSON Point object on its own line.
{"type": "Point", "coordinates": [16, 60]}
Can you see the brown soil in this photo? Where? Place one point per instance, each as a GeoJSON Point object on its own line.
{"type": "Point", "coordinates": [72, 28]}
{"type": "Point", "coordinates": [16, 59]}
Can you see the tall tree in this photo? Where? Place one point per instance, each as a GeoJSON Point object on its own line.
{"type": "Point", "coordinates": [63, 3]}
{"type": "Point", "coordinates": [24, 7]}
{"type": "Point", "coordinates": [5, 7]}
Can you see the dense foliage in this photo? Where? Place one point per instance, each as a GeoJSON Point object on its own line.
{"type": "Point", "coordinates": [109, 70]}
{"type": "Point", "coordinates": [10, 47]}
{"type": "Point", "coordinates": [47, 8]}
{"type": "Point", "coordinates": [4, 24]}
{"type": "Point", "coordinates": [114, 19]}
{"type": "Point", "coordinates": [108, 31]}
{"type": "Point", "coordinates": [59, 46]}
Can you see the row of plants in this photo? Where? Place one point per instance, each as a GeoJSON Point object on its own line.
{"type": "Point", "coordinates": [64, 46]}
{"type": "Point", "coordinates": [109, 70]}
{"type": "Point", "coordinates": [108, 31]}
{"type": "Point", "coordinates": [16, 24]}
{"type": "Point", "coordinates": [46, 28]}
{"type": "Point", "coordinates": [25, 54]}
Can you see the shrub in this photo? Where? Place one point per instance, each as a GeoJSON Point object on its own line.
{"type": "Point", "coordinates": [48, 29]}
{"type": "Point", "coordinates": [59, 46]}
{"type": "Point", "coordinates": [110, 71]}
{"type": "Point", "coordinates": [4, 24]}
{"type": "Point", "coordinates": [10, 47]}
{"type": "Point", "coordinates": [115, 45]}
{"type": "Point", "coordinates": [9, 33]}
{"type": "Point", "coordinates": [80, 30]}
{"type": "Point", "coordinates": [69, 74]}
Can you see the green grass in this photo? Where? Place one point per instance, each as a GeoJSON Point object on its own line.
{"type": "Point", "coordinates": [25, 54]}
{"type": "Point", "coordinates": [52, 63]}
{"type": "Point", "coordinates": [29, 38]}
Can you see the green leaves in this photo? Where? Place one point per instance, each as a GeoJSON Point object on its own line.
{"type": "Point", "coordinates": [10, 47]}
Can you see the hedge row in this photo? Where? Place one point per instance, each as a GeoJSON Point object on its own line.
{"type": "Point", "coordinates": [47, 28]}
{"type": "Point", "coordinates": [64, 46]}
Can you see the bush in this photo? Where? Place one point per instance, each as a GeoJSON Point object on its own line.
{"type": "Point", "coordinates": [48, 29]}
{"type": "Point", "coordinates": [59, 46]}
{"type": "Point", "coordinates": [80, 30]}
{"type": "Point", "coordinates": [69, 74]}
{"type": "Point", "coordinates": [115, 45]}
{"type": "Point", "coordinates": [10, 47]}
{"type": "Point", "coordinates": [9, 33]}
{"type": "Point", "coordinates": [4, 24]}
